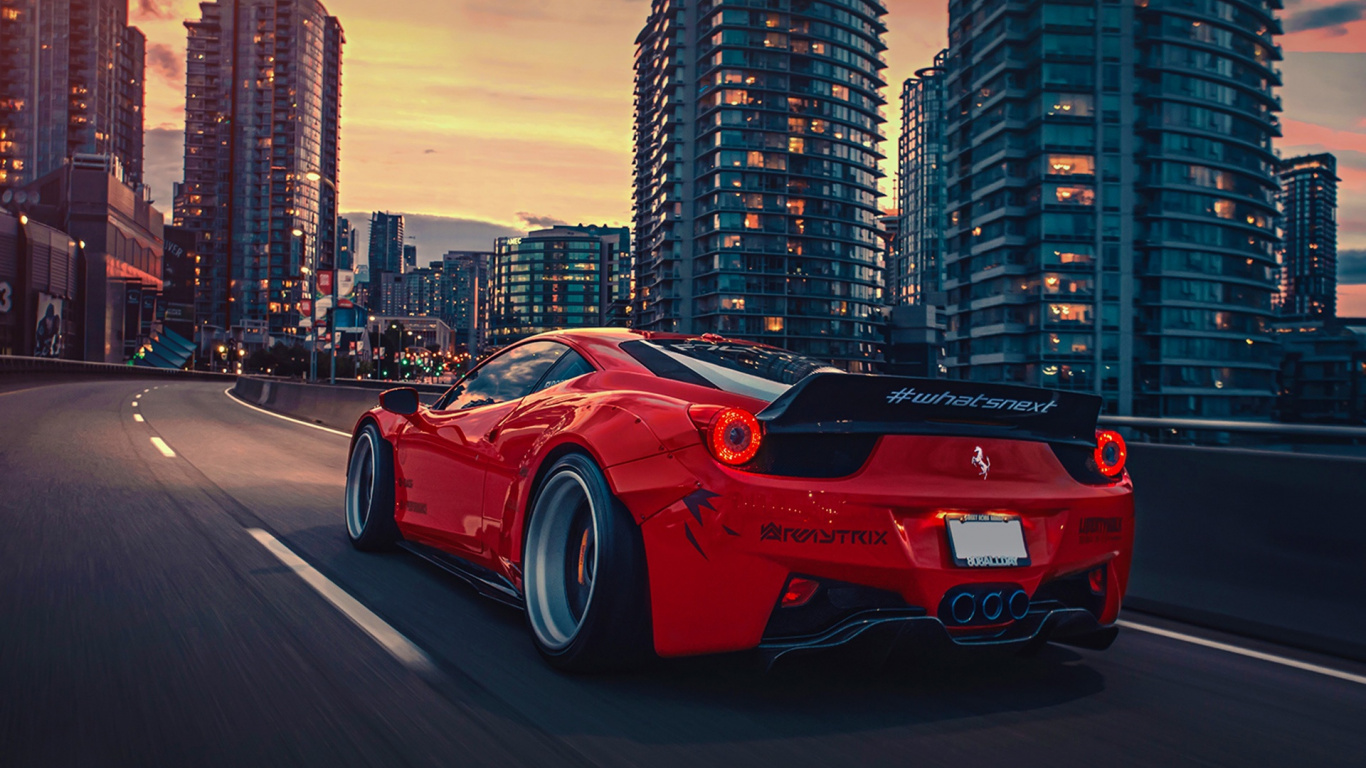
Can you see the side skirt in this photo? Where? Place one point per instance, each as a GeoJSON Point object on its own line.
{"type": "Point", "coordinates": [484, 581]}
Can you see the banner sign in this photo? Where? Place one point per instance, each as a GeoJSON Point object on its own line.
{"type": "Point", "coordinates": [48, 341]}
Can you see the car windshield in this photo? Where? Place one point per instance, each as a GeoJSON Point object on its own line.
{"type": "Point", "coordinates": [745, 369]}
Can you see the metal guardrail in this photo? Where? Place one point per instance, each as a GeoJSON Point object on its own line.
{"type": "Point", "coordinates": [1250, 427]}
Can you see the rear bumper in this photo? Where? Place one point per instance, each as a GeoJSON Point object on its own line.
{"type": "Point", "coordinates": [879, 635]}
{"type": "Point", "coordinates": [720, 556]}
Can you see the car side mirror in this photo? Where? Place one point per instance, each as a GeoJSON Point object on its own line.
{"type": "Point", "coordinates": [402, 401]}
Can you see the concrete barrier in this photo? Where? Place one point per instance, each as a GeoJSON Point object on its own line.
{"type": "Point", "coordinates": [337, 407]}
{"type": "Point", "coordinates": [1269, 545]}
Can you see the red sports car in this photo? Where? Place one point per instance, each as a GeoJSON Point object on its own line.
{"type": "Point", "coordinates": [642, 493]}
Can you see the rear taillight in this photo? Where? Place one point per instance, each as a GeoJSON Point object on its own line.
{"type": "Point", "coordinates": [731, 434]}
{"type": "Point", "coordinates": [1096, 580]}
{"type": "Point", "coordinates": [799, 592]}
{"type": "Point", "coordinates": [1110, 453]}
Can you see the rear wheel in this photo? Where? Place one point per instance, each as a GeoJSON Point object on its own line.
{"type": "Point", "coordinates": [370, 492]}
{"type": "Point", "coordinates": [587, 599]}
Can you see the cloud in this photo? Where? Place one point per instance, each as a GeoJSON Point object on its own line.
{"type": "Point", "coordinates": [152, 9]}
{"type": "Point", "coordinates": [429, 151]}
{"type": "Point", "coordinates": [1326, 16]}
{"type": "Point", "coordinates": [1352, 266]}
{"type": "Point", "coordinates": [163, 163]}
{"type": "Point", "coordinates": [163, 61]}
{"type": "Point", "coordinates": [536, 221]}
{"type": "Point", "coordinates": [1326, 89]}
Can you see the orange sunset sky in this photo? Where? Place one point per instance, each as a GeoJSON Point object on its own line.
{"type": "Point", "coordinates": [486, 117]}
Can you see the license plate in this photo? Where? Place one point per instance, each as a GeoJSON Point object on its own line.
{"type": "Point", "coordinates": [987, 541]}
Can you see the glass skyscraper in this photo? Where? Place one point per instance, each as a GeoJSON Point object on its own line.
{"type": "Point", "coordinates": [553, 279]}
{"type": "Point", "coordinates": [71, 83]}
{"type": "Point", "coordinates": [386, 243]}
{"type": "Point", "coordinates": [1110, 206]}
{"type": "Point", "coordinates": [914, 271]}
{"type": "Point", "coordinates": [757, 139]}
{"type": "Point", "coordinates": [1309, 256]}
{"type": "Point", "coordinates": [262, 112]}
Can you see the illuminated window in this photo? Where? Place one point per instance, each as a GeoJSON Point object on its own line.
{"type": "Point", "coordinates": [1071, 165]}
{"type": "Point", "coordinates": [1074, 195]}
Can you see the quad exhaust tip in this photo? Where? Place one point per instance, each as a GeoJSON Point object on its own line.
{"type": "Point", "coordinates": [991, 606]}
{"type": "Point", "coordinates": [963, 608]}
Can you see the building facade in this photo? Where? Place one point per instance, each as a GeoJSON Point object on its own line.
{"type": "Point", "coordinates": [39, 305]}
{"type": "Point", "coordinates": [1309, 252]}
{"type": "Point", "coordinates": [120, 238]}
{"type": "Point", "coordinates": [386, 242]}
{"type": "Point", "coordinates": [1323, 370]}
{"type": "Point", "coordinates": [914, 269]}
{"type": "Point", "coordinates": [757, 134]}
{"type": "Point", "coordinates": [1110, 200]}
{"type": "Point", "coordinates": [467, 293]}
{"type": "Point", "coordinates": [262, 89]}
{"type": "Point", "coordinates": [553, 279]}
{"type": "Point", "coordinates": [71, 83]}
{"type": "Point", "coordinates": [346, 249]}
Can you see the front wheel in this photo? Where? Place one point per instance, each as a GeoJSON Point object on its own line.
{"type": "Point", "coordinates": [370, 492]}
{"type": "Point", "coordinates": [587, 591]}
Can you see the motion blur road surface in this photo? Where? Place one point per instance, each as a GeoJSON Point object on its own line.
{"type": "Point", "coordinates": [142, 624]}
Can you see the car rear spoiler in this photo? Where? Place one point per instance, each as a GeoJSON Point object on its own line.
{"type": "Point", "coordinates": [843, 403]}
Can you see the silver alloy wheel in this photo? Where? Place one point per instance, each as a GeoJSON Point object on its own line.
{"type": "Point", "coordinates": [360, 484]}
{"type": "Point", "coordinates": [561, 559]}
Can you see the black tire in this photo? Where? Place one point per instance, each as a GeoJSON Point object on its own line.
{"type": "Point", "coordinates": [586, 584]}
{"type": "Point", "coordinates": [369, 503]}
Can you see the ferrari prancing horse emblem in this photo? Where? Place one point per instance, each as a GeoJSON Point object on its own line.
{"type": "Point", "coordinates": [980, 460]}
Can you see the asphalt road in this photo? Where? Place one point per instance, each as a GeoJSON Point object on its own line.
{"type": "Point", "coordinates": [141, 623]}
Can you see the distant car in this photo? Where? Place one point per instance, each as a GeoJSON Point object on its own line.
{"type": "Point", "coordinates": [645, 493]}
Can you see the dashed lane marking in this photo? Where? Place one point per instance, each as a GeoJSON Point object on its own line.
{"type": "Point", "coordinates": [163, 447]}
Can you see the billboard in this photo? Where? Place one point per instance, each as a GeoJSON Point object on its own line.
{"type": "Point", "coordinates": [49, 339]}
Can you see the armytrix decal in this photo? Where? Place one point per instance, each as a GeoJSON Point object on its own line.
{"type": "Point", "coordinates": [416, 507]}
{"type": "Point", "coordinates": [775, 532]}
{"type": "Point", "coordinates": [1100, 529]}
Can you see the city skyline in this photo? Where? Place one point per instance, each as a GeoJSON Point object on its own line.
{"type": "Point", "coordinates": [446, 119]}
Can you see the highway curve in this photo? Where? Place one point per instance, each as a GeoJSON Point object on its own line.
{"type": "Point", "coordinates": [144, 621]}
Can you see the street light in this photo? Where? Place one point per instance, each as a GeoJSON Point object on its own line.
{"type": "Point", "coordinates": [316, 177]}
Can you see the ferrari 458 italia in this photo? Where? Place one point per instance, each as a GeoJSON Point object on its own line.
{"type": "Point", "coordinates": [642, 493]}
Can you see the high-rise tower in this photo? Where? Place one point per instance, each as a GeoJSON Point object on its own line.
{"type": "Point", "coordinates": [261, 115]}
{"type": "Point", "coordinates": [1309, 264]}
{"type": "Point", "coordinates": [1110, 203]}
{"type": "Point", "coordinates": [914, 271]}
{"type": "Point", "coordinates": [71, 83]}
{"type": "Point", "coordinates": [386, 243]}
{"type": "Point", "coordinates": [756, 165]}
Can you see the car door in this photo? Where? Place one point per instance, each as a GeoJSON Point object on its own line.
{"type": "Point", "coordinates": [444, 453]}
{"type": "Point", "coordinates": [518, 434]}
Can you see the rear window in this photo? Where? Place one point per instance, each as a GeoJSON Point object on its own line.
{"type": "Point", "coordinates": [745, 369]}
